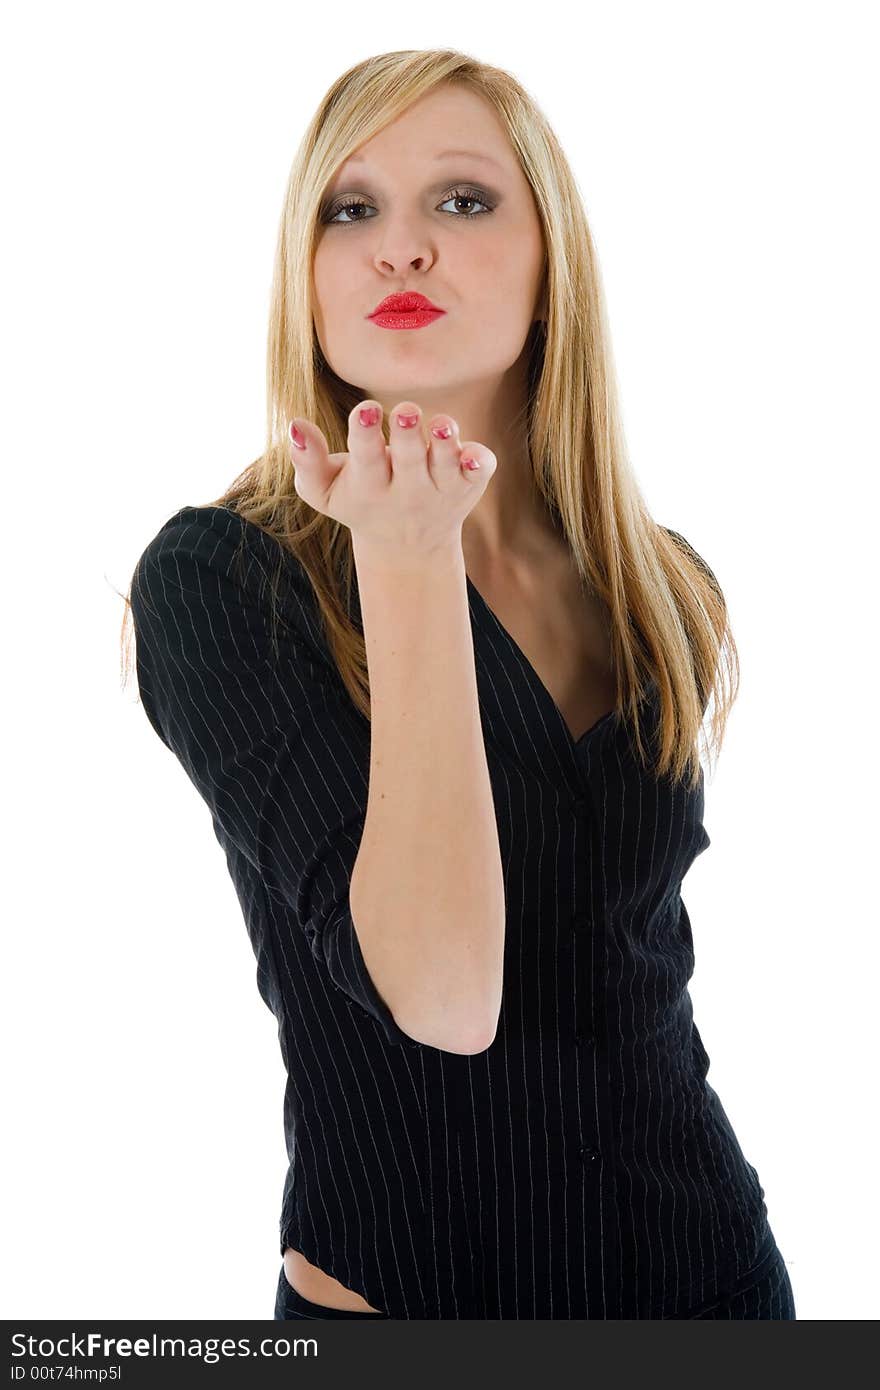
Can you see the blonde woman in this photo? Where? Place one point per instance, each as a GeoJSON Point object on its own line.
{"type": "Point", "coordinates": [440, 678]}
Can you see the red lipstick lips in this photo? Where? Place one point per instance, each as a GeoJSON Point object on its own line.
{"type": "Point", "coordinates": [409, 310]}
{"type": "Point", "coordinates": [404, 304]}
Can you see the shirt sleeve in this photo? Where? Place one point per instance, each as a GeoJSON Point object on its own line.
{"type": "Point", "coordinates": [269, 736]}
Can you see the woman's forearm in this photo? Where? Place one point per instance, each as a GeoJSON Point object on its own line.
{"type": "Point", "coordinates": [427, 891]}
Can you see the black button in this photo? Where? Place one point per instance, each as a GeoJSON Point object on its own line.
{"type": "Point", "coordinates": [585, 1039]}
{"type": "Point", "coordinates": [580, 920]}
{"type": "Point", "coordinates": [588, 1155]}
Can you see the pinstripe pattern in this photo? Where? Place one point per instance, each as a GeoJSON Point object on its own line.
{"type": "Point", "coordinates": [580, 1167]}
{"type": "Point", "coordinates": [765, 1296]}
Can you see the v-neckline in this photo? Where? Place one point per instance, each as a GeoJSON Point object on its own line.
{"type": "Point", "coordinates": [574, 742]}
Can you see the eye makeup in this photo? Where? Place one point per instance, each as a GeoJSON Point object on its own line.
{"type": "Point", "coordinates": [463, 194]}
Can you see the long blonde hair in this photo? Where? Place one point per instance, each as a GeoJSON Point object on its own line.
{"type": "Point", "coordinates": [668, 617]}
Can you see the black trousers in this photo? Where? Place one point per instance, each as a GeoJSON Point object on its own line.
{"type": "Point", "coordinates": [771, 1298]}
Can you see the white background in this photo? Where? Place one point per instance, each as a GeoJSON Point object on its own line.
{"type": "Point", "coordinates": [727, 163]}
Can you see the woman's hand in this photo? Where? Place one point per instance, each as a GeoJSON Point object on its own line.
{"type": "Point", "coordinates": [406, 496]}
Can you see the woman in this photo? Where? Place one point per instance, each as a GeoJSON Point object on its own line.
{"type": "Point", "coordinates": [413, 660]}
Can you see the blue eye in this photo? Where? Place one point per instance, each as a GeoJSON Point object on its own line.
{"type": "Point", "coordinates": [470, 195]}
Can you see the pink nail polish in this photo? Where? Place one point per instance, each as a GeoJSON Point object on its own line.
{"type": "Point", "coordinates": [368, 415]}
{"type": "Point", "coordinates": [470, 463]}
{"type": "Point", "coordinates": [407, 422]}
{"type": "Point", "coordinates": [297, 436]}
{"type": "Point", "coordinates": [441, 431]}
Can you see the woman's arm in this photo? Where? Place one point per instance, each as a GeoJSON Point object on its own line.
{"type": "Point", "coordinates": [268, 736]}
{"type": "Point", "coordinates": [427, 890]}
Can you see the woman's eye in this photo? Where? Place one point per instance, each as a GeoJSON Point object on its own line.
{"type": "Point", "coordinates": [334, 212]}
{"type": "Point", "coordinates": [468, 195]}
{"type": "Point", "coordinates": [463, 195]}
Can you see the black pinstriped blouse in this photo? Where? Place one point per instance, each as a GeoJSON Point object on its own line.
{"type": "Point", "coordinates": [581, 1166]}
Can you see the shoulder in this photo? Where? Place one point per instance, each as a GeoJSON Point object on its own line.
{"type": "Point", "coordinates": [693, 555]}
{"type": "Point", "coordinates": [205, 530]}
{"type": "Point", "coordinates": [216, 540]}
{"type": "Point", "coordinates": [210, 576]}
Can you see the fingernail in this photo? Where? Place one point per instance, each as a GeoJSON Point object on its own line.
{"type": "Point", "coordinates": [297, 435]}
{"type": "Point", "coordinates": [441, 431]}
{"type": "Point", "coordinates": [406, 422]}
{"type": "Point", "coordinates": [470, 463]}
{"type": "Point", "coordinates": [368, 415]}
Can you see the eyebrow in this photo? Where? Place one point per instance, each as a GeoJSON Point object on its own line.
{"type": "Point", "coordinates": [444, 154]}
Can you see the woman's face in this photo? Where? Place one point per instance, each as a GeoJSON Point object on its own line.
{"type": "Point", "coordinates": [416, 232]}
